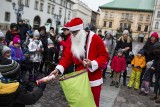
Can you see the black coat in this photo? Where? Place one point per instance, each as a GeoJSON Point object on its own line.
{"type": "Point", "coordinates": [48, 54]}
{"type": "Point", "coordinates": [23, 32]}
{"type": "Point", "coordinates": [20, 97]}
{"type": "Point", "coordinates": [148, 51]}
{"type": "Point", "coordinates": [122, 45]}
{"type": "Point", "coordinates": [9, 36]}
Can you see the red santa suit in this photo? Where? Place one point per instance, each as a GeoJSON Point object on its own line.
{"type": "Point", "coordinates": [98, 55]}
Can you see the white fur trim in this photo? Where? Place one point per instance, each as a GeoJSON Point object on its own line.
{"type": "Point", "coordinates": [94, 66]}
{"type": "Point", "coordinates": [60, 68]}
{"type": "Point", "coordinates": [78, 27]}
{"type": "Point", "coordinates": [96, 82]}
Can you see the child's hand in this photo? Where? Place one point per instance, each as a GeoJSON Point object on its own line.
{"type": "Point", "coordinates": [152, 68]}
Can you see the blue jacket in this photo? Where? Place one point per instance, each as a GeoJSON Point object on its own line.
{"type": "Point", "coordinates": [17, 54]}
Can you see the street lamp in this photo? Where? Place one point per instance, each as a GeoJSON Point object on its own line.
{"type": "Point", "coordinates": [19, 10]}
{"type": "Point", "coordinates": [57, 19]}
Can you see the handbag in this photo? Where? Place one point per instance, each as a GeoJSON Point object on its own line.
{"type": "Point", "coordinates": [130, 57]}
{"type": "Point", "coordinates": [77, 89]}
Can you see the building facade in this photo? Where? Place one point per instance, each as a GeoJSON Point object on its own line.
{"type": "Point", "coordinates": [156, 18]}
{"type": "Point", "coordinates": [81, 10]}
{"type": "Point", "coordinates": [38, 12]}
{"type": "Point", "coordinates": [134, 15]}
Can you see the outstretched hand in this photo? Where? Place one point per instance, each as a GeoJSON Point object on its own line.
{"type": "Point", "coordinates": [55, 72]}
{"type": "Point", "coordinates": [87, 63]}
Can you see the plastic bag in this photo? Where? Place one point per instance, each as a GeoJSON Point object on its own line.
{"type": "Point", "coordinates": [77, 89]}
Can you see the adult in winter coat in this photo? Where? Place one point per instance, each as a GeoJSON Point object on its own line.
{"type": "Point", "coordinates": [86, 50]}
{"type": "Point", "coordinates": [110, 44]}
{"type": "Point", "coordinates": [125, 43]}
{"type": "Point", "coordinates": [12, 93]}
{"type": "Point", "coordinates": [148, 52]}
{"type": "Point", "coordinates": [10, 34]}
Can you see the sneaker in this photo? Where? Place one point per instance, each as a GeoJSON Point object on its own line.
{"type": "Point", "coordinates": [157, 100]}
{"type": "Point", "coordinates": [117, 85]}
{"type": "Point", "coordinates": [112, 83]}
{"type": "Point", "coordinates": [154, 97]}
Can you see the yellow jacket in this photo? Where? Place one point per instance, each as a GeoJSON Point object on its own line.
{"type": "Point", "coordinates": [138, 61]}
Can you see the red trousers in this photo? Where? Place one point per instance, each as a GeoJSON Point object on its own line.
{"type": "Point", "coordinates": [96, 93]}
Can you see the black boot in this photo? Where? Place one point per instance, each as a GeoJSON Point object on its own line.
{"type": "Point", "coordinates": [124, 82]}
{"type": "Point", "coordinates": [124, 77]}
{"type": "Point", "coordinates": [117, 85]}
{"type": "Point", "coordinates": [112, 83]}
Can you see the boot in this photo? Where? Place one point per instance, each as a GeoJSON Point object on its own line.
{"type": "Point", "coordinates": [112, 83]}
{"type": "Point", "coordinates": [157, 100]}
{"type": "Point", "coordinates": [124, 82]}
{"type": "Point", "coordinates": [117, 85]}
{"type": "Point", "coordinates": [154, 97]}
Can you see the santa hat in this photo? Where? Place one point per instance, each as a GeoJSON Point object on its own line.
{"type": "Point", "coordinates": [36, 33]}
{"type": "Point", "coordinates": [5, 49]}
{"type": "Point", "coordinates": [154, 34]}
{"type": "Point", "coordinates": [76, 24]}
{"type": "Point", "coordinates": [66, 26]}
{"type": "Point", "coordinates": [49, 41]}
{"type": "Point", "coordinates": [1, 35]}
{"type": "Point", "coordinates": [16, 41]}
{"type": "Point", "coordinates": [125, 32]}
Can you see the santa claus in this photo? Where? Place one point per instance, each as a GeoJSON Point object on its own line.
{"type": "Point", "coordinates": [86, 50]}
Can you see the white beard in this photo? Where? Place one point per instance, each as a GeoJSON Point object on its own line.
{"type": "Point", "coordinates": [78, 43]}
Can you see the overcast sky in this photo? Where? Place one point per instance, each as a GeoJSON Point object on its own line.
{"type": "Point", "coordinates": [94, 4]}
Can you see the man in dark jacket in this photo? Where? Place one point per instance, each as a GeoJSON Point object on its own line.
{"type": "Point", "coordinates": [43, 38]}
{"type": "Point", "coordinates": [23, 30]}
{"type": "Point", "coordinates": [12, 93]}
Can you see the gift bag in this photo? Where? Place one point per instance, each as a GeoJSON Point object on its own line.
{"type": "Point", "coordinates": [77, 89]}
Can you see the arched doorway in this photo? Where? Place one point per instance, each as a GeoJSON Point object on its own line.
{"type": "Point", "coordinates": [36, 22]}
{"type": "Point", "coordinates": [49, 21]}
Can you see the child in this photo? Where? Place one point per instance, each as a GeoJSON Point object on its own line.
{"type": "Point", "coordinates": [48, 56]}
{"type": "Point", "coordinates": [138, 63]}
{"type": "Point", "coordinates": [16, 51]}
{"type": "Point", "coordinates": [12, 93]}
{"type": "Point", "coordinates": [6, 52]}
{"type": "Point", "coordinates": [2, 41]}
{"type": "Point", "coordinates": [118, 65]}
{"type": "Point", "coordinates": [35, 49]}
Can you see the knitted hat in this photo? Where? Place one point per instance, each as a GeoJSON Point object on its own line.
{"type": "Point", "coordinates": [29, 32]}
{"type": "Point", "coordinates": [36, 34]}
{"type": "Point", "coordinates": [141, 52]}
{"type": "Point", "coordinates": [120, 51]}
{"type": "Point", "coordinates": [16, 40]}
{"type": "Point", "coordinates": [5, 49]}
{"type": "Point", "coordinates": [66, 26]}
{"type": "Point", "coordinates": [76, 24]}
{"type": "Point", "coordinates": [154, 34]}
{"type": "Point", "coordinates": [1, 35]}
{"type": "Point", "coordinates": [109, 32]}
{"type": "Point", "coordinates": [125, 32]}
{"type": "Point", "coordinates": [13, 25]}
{"type": "Point", "coordinates": [9, 68]}
{"type": "Point", "coordinates": [49, 41]}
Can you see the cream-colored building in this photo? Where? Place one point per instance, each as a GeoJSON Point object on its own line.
{"type": "Point", "coordinates": [127, 14]}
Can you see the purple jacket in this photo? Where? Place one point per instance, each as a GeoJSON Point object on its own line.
{"type": "Point", "coordinates": [17, 54]}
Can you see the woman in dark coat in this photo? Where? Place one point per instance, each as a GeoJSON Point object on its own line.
{"type": "Point", "coordinates": [125, 43]}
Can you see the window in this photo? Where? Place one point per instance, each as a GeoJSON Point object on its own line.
{"type": "Point", "coordinates": [139, 28]}
{"type": "Point", "coordinates": [64, 4]}
{"type": "Point", "coordinates": [157, 25]}
{"type": "Point", "coordinates": [158, 14]}
{"type": "Point", "coordinates": [9, 0]}
{"type": "Point", "coordinates": [123, 15]}
{"type": "Point", "coordinates": [146, 28]}
{"type": "Point", "coordinates": [52, 10]}
{"type": "Point", "coordinates": [60, 11]}
{"type": "Point", "coordinates": [7, 16]}
{"type": "Point", "coordinates": [70, 6]}
{"type": "Point", "coordinates": [105, 24]}
{"type": "Point", "coordinates": [19, 2]}
{"type": "Point", "coordinates": [125, 25]}
{"type": "Point", "coordinates": [41, 7]}
{"type": "Point", "coordinates": [110, 24]}
{"type": "Point", "coordinates": [61, 2]}
{"type": "Point", "coordinates": [27, 3]}
{"type": "Point", "coordinates": [130, 17]}
{"type": "Point", "coordinates": [49, 8]}
{"type": "Point", "coordinates": [111, 15]}
{"type": "Point", "coordinates": [148, 18]}
{"type": "Point", "coordinates": [127, 16]}
{"type": "Point", "coordinates": [69, 14]}
{"type": "Point", "coordinates": [141, 17]}
{"type": "Point", "coordinates": [36, 5]}
{"type": "Point", "coordinates": [106, 14]}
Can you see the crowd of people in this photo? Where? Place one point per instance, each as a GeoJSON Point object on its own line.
{"type": "Point", "coordinates": [25, 51]}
